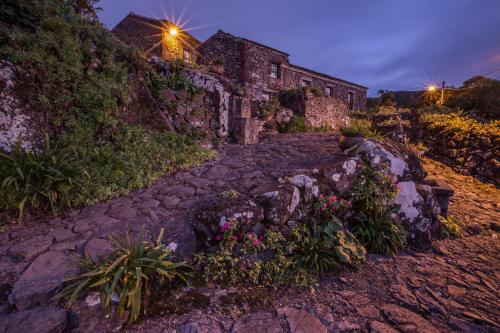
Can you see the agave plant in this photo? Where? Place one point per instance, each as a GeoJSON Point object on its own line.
{"type": "Point", "coordinates": [131, 272]}
{"type": "Point", "coordinates": [378, 232]}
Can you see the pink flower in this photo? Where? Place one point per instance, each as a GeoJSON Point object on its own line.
{"type": "Point", "coordinates": [325, 205]}
{"type": "Point", "coordinates": [249, 236]}
{"type": "Point", "coordinates": [255, 242]}
{"type": "Point", "coordinates": [218, 237]}
{"type": "Point", "coordinates": [225, 226]}
{"type": "Point", "coordinates": [235, 238]}
{"type": "Point", "coordinates": [348, 203]}
{"type": "Point", "coordinates": [321, 195]}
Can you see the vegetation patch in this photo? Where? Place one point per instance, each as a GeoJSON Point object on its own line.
{"type": "Point", "coordinates": [360, 127]}
{"type": "Point", "coordinates": [78, 78]}
{"type": "Point", "coordinates": [457, 126]}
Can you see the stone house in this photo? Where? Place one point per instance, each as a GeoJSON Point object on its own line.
{"type": "Point", "coordinates": [265, 71]}
{"type": "Point", "coordinates": [160, 38]}
{"type": "Point", "coordinates": [262, 71]}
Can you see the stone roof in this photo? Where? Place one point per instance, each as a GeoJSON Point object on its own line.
{"type": "Point", "coordinates": [326, 76]}
{"type": "Point", "coordinates": [253, 42]}
{"type": "Point", "coordinates": [323, 75]}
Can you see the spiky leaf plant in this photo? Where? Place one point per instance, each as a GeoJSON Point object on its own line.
{"type": "Point", "coordinates": [40, 179]}
{"type": "Point", "coordinates": [132, 272]}
{"type": "Point", "coordinates": [378, 232]}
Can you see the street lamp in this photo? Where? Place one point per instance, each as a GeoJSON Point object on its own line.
{"type": "Point", "coordinates": [172, 32]}
{"type": "Point", "coordinates": [431, 88]}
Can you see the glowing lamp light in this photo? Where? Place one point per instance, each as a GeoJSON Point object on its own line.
{"type": "Point", "coordinates": [172, 32]}
{"type": "Point", "coordinates": [431, 88]}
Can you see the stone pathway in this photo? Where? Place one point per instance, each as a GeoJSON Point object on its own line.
{"type": "Point", "coordinates": [452, 288]}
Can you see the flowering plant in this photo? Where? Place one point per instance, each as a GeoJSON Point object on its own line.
{"type": "Point", "coordinates": [331, 203]}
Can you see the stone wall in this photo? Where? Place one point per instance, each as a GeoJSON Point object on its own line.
{"type": "Point", "coordinates": [326, 111]}
{"type": "Point", "coordinates": [16, 124]}
{"type": "Point", "coordinates": [223, 45]}
{"type": "Point", "coordinates": [293, 76]}
{"type": "Point", "coordinates": [319, 111]}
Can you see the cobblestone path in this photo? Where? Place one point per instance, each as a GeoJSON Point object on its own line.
{"type": "Point", "coordinates": [453, 287]}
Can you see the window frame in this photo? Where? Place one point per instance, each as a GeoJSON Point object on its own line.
{"type": "Point", "coordinates": [350, 99]}
{"type": "Point", "coordinates": [277, 74]}
{"type": "Point", "coordinates": [189, 53]}
{"type": "Point", "coordinates": [305, 82]}
{"type": "Point", "coordinates": [329, 91]}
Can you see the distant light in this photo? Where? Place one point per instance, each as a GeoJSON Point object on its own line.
{"type": "Point", "coordinates": [431, 87]}
{"type": "Point", "coordinates": [172, 31]}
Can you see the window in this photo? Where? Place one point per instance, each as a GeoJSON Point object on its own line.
{"type": "Point", "coordinates": [305, 83]}
{"type": "Point", "coordinates": [265, 96]}
{"type": "Point", "coordinates": [329, 91]}
{"type": "Point", "coordinates": [275, 70]}
{"type": "Point", "coordinates": [350, 100]}
{"type": "Point", "coordinates": [186, 55]}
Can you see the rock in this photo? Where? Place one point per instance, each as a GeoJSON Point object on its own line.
{"type": "Point", "coordinates": [30, 248]}
{"type": "Point", "coordinates": [90, 222]}
{"type": "Point", "coordinates": [301, 321]}
{"type": "Point", "coordinates": [378, 327]}
{"type": "Point", "coordinates": [201, 324]}
{"type": "Point", "coordinates": [262, 322]}
{"type": "Point", "coordinates": [171, 201]}
{"type": "Point", "coordinates": [418, 216]}
{"type": "Point", "coordinates": [406, 320]}
{"type": "Point", "coordinates": [279, 205]}
{"type": "Point", "coordinates": [150, 204]}
{"type": "Point", "coordinates": [48, 319]}
{"type": "Point", "coordinates": [62, 234]}
{"type": "Point", "coordinates": [324, 312]}
{"type": "Point", "coordinates": [41, 278]}
{"type": "Point", "coordinates": [213, 212]}
{"type": "Point", "coordinates": [345, 325]}
{"type": "Point", "coordinates": [404, 296]}
{"type": "Point", "coordinates": [97, 249]}
{"type": "Point", "coordinates": [307, 185]}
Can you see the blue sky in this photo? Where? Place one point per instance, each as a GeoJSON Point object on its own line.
{"type": "Point", "coordinates": [382, 44]}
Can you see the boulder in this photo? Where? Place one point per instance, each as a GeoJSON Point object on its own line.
{"type": "Point", "coordinates": [213, 212]}
{"type": "Point", "coordinates": [262, 322]}
{"type": "Point", "coordinates": [301, 321]}
{"type": "Point", "coordinates": [30, 248]}
{"type": "Point", "coordinates": [47, 319]}
{"type": "Point", "coordinates": [200, 323]}
{"type": "Point", "coordinates": [98, 249]}
{"type": "Point", "coordinates": [280, 204]}
{"type": "Point", "coordinates": [42, 278]}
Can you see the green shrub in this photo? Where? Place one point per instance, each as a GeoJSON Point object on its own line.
{"type": "Point", "coordinates": [297, 124]}
{"type": "Point", "coordinates": [46, 179]}
{"type": "Point", "coordinates": [136, 159]}
{"type": "Point", "coordinates": [360, 127]}
{"type": "Point", "coordinates": [452, 226]}
{"type": "Point", "coordinates": [377, 231]}
{"type": "Point", "coordinates": [269, 108]}
{"type": "Point", "coordinates": [134, 271]}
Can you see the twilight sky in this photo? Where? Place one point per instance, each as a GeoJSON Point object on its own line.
{"type": "Point", "coordinates": [383, 44]}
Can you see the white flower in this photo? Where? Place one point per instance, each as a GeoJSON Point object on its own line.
{"type": "Point", "coordinates": [172, 246]}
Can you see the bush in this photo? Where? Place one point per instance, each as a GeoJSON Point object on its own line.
{"type": "Point", "coordinates": [297, 124]}
{"type": "Point", "coordinates": [377, 231]}
{"type": "Point", "coordinates": [457, 126]}
{"type": "Point", "coordinates": [47, 179]}
{"type": "Point", "coordinates": [133, 271]}
{"type": "Point", "coordinates": [360, 127]}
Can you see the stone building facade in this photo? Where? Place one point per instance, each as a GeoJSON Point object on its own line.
{"type": "Point", "coordinates": [155, 37]}
{"type": "Point", "coordinates": [265, 71]}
